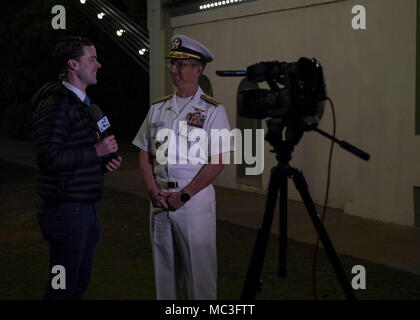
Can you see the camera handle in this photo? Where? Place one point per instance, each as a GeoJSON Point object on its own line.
{"type": "Point", "coordinates": [278, 181]}
{"type": "Point", "coordinates": [345, 145]}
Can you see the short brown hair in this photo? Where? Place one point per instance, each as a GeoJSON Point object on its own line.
{"type": "Point", "coordinates": [69, 48]}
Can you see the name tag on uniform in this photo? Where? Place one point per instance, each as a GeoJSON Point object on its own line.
{"type": "Point", "coordinates": [103, 124]}
{"type": "Point", "coordinates": [196, 119]}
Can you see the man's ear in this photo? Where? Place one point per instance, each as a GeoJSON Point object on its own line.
{"type": "Point", "coordinates": [200, 70]}
{"type": "Point", "coordinates": [72, 64]}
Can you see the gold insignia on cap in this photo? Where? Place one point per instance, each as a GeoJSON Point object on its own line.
{"type": "Point", "coordinates": [182, 55]}
{"type": "Point", "coordinates": [176, 43]}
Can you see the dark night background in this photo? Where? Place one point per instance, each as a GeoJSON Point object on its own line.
{"type": "Point", "coordinates": [27, 44]}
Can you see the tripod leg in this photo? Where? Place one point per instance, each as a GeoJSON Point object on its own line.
{"type": "Point", "coordinates": [283, 224]}
{"type": "Point", "coordinates": [258, 253]}
{"type": "Point", "coordinates": [302, 187]}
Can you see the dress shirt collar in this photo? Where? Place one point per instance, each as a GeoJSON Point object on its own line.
{"type": "Point", "coordinates": [81, 95]}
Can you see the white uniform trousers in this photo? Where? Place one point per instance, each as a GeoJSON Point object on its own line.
{"type": "Point", "coordinates": [184, 247]}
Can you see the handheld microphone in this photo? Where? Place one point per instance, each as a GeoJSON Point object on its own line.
{"type": "Point", "coordinates": [102, 123]}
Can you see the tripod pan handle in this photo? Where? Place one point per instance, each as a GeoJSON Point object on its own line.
{"type": "Point", "coordinates": [361, 154]}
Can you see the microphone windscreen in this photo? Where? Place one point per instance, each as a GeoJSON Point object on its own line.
{"type": "Point", "coordinates": [95, 112]}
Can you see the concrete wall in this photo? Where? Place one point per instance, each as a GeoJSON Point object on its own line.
{"type": "Point", "coordinates": [370, 76]}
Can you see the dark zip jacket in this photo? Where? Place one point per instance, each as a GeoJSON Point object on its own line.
{"type": "Point", "coordinates": [69, 169]}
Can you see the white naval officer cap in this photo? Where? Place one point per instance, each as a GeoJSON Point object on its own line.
{"type": "Point", "coordinates": [183, 47]}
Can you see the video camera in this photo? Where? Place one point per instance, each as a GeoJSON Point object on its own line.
{"type": "Point", "coordinates": [297, 105]}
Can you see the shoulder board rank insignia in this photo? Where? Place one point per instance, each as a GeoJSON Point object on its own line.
{"type": "Point", "coordinates": [162, 99]}
{"type": "Point", "coordinates": [210, 100]}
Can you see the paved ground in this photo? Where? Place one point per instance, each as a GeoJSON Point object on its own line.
{"type": "Point", "coordinates": [390, 244]}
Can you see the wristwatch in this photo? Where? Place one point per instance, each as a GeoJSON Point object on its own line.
{"type": "Point", "coordinates": [185, 196]}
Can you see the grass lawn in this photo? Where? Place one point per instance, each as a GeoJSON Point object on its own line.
{"type": "Point", "coordinates": [123, 267]}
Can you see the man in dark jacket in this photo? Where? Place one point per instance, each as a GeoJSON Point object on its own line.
{"type": "Point", "coordinates": [71, 161]}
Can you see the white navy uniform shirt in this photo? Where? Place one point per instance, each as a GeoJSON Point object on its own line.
{"type": "Point", "coordinates": [168, 114]}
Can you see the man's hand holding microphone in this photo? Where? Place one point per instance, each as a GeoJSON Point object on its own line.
{"type": "Point", "coordinates": [106, 145]}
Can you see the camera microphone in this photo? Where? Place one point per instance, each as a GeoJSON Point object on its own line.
{"type": "Point", "coordinates": [231, 73]}
{"type": "Point", "coordinates": [258, 72]}
{"type": "Point", "coordinates": [102, 123]}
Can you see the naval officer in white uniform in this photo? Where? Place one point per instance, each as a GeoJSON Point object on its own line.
{"type": "Point", "coordinates": [183, 205]}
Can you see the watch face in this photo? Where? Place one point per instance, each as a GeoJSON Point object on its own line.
{"type": "Point", "coordinates": [185, 197]}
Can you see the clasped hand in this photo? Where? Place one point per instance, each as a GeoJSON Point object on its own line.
{"type": "Point", "coordinates": [167, 200]}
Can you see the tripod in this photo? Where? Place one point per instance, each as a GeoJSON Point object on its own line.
{"type": "Point", "coordinates": [278, 181]}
